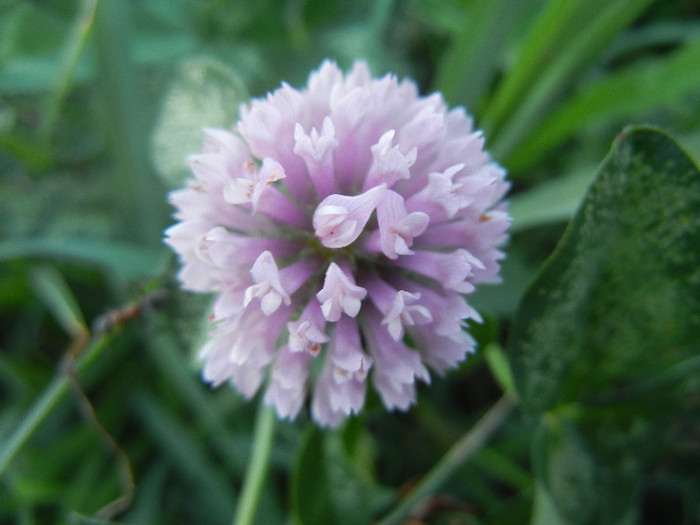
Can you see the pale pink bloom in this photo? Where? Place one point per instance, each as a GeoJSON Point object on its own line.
{"type": "Point", "coordinates": [308, 332]}
{"type": "Point", "coordinates": [339, 294]}
{"type": "Point", "coordinates": [254, 184]}
{"type": "Point", "coordinates": [340, 219]}
{"type": "Point", "coordinates": [340, 227]}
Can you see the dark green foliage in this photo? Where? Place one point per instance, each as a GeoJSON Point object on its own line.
{"type": "Point", "coordinates": [604, 347]}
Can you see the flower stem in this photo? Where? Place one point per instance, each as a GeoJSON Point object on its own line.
{"type": "Point", "coordinates": [263, 439]}
{"type": "Point", "coordinates": [460, 452]}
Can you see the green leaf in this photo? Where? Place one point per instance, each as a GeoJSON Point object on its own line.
{"type": "Point", "coordinates": [567, 470]}
{"type": "Point", "coordinates": [596, 30]}
{"type": "Point", "coordinates": [188, 452]}
{"type": "Point", "coordinates": [542, 42]}
{"type": "Point", "coordinates": [204, 94]}
{"type": "Point", "coordinates": [544, 511]}
{"type": "Point", "coordinates": [465, 71]}
{"type": "Point", "coordinates": [54, 292]}
{"type": "Point", "coordinates": [125, 261]}
{"type": "Point", "coordinates": [136, 193]}
{"type": "Point", "coordinates": [166, 351]}
{"type": "Point", "coordinates": [605, 338]}
{"type": "Point", "coordinates": [631, 91]}
{"type": "Point", "coordinates": [327, 487]}
{"type": "Point", "coordinates": [29, 40]}
{"type": "Point", "coordinates": [621, 295]}
{"type": "Point", "coordinates": [311, 499]}
{"type": "Point", "coordinates": [503, 467]}
{"type": "Point", "coordinates": [147, 507]}
{"type": "Point", "coordinates": [70, 58]}
{"type": "Point", "coordinates": [499, 366]}
{"type": "Point", "coordinates": [592, 464]}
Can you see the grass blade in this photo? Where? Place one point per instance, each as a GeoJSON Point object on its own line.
{"type": "Point", "coordinates": [632, 91]}
{"type": "Point", "coordinates": [142, 203]}
{"type": "Point", "coordinates": [53, 291]}
{"type": "Point", "coordinates": [51, 395]}
{"type": "Point", "coordinates": [539, 45]}
{"type": "Point", "coordinates": [614, 17]}
{"type": "Point", "coordinates": [125, 260]}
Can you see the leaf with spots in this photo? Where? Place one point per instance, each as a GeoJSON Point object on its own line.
{"type": "Point", "coordinates": [606, 335]}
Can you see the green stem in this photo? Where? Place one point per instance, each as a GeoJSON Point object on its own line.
{"type": "Point", "coordinates": [47, 401]}
{"type": "Point", "coordinates": [468, 444]}
{"type": "Point", "coordinates": [263, 439]}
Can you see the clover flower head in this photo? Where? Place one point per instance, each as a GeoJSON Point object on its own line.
{"type": "Point", "coordinates": [340, 226]}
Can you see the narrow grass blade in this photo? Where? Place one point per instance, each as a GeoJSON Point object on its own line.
{"type": "Point", "coordinates": [583, 48]}
{"type": "Point", "coordinates": [631, 91]}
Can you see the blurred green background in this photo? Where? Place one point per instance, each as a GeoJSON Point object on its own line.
{"type": "Point", "coordinates": [101, 102]}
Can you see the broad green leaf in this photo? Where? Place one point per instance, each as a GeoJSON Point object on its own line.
{"type": "Point", "coordinates": [311, 498]}
{"type": "Point", "coordinates": [621, 295]}
{"type": "Point", "coordinates": [327, 487]}
{"type": "Point", "coordinates": [567, 470]}
{"type": "Point", "coordinates": [544, 512]}
{"type": "Point", "coordinates": [605, 339]}
{"type": "Point", "coordinates": [592, 464]}
{"type": "Point", "coordinates": [204, 94]}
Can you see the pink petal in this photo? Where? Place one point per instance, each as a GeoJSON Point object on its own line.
{"type": "Point", "coordinates": [451, 270]}
{"type": "Point", "coordinates": [317, 152]}
{"type": "Point", "coordinates": [339, 294]}
{"type": "Point", "coordinates": [340, 219]}
{"type": "Point", "coordinates": [399, 307]}
{"type": "Point", "coordinates": [397, 227]}
{"type": "Point", "coordinates": [287, 390]}
{"type": "Point", "coordinates": [307, 333]}
{"type": "Point", "coordinates": [268, 285]}
{"type": "Point", "coordinates": [389, 164]}
{"type": "Point", "coordinates": [346, 349]}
